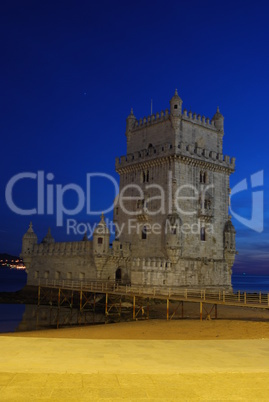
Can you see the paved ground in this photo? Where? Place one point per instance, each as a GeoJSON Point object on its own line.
{"type": "Point", "coordinates": [39, 369]}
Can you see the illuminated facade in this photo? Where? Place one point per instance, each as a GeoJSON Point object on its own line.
{"type": "Point", "coordinates": [171, 216]}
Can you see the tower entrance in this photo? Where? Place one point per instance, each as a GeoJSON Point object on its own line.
{"type": "Point", "coordinates": [118, 275]}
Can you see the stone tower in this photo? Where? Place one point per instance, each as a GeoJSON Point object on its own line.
{"type": "Point", "coordinates": [28, 241]}
{"type": "Point", "coordinates": [171, 215]}
{"type": "Point", "coordinates": [174, 199]}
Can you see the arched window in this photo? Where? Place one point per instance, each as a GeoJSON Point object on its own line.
{"type": "Point", "coordinates": [202, 234]}
{"type": "Point", "coordinates": [202, 177]}
{"type": "Point", "coordinates": [144, 177]}
{"type": "Point", "coordinates": [144, 233]}
{"type": "Point", "coordinates": [100, 240]}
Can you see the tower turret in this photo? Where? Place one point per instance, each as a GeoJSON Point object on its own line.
{"type": "Point", "coordinates": [218, 119]}
{"type": "Point", "coordinates": [175, 112]}
{"type": "Point", "coordinates": [48, 238]}
{"type": "Point", "coordinates": [130, 121]}
{"type": "Point", "coordinates": [28, 241]}
{"type": "Point", "coordinates": [229, 243]}
{"type": "Point", "coordinates": [176, 105]}
{"type": "Point", "coordinates": [101, 236]}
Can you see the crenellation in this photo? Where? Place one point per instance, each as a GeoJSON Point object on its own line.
{"type": "Point", "coordinates": [206, 153]}
{"type": "Point", "coordinates": [168, 149]}
{"type": "Point", "coordinates": [62, 248]}
{"type": "Point", "coordinates": [213, 155]}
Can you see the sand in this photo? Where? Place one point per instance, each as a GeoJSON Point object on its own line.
{"type": "Point", "coordinates": [224, 359]}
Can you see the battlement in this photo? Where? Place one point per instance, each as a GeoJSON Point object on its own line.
{"type": "Point", "coordinates": [184, 150]}
{"type": "Point", "coordinates": [198, 119]}
{"type": "Point", "coordinates": [63, 248]}
{"type": "Point", "coordinates": [166, 115]}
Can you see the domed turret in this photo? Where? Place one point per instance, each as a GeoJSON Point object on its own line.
{"type": "Point", "coordinates": [218, 120]}
{"type": "Point", "coordinates": [85, 237]}
{"type": "Point", "coordinates": [229, 242]}
{"type": "Point", "coordinates": [48, 238]}
{"type": "Point", "coordinates": [130, 121]}
{"type": "Point", "coordinates": [28, 241]}
{"type": "Point", "coordinates": [176, 105]}
{"type": "Point", "coordinates": [101, 236]}
{"type": "Point", "coordinates": [229, 227]}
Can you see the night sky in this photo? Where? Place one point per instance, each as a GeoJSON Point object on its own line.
{"type": "Point", "coordinates": [72, 70]}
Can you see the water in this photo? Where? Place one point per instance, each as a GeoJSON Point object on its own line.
{"type": "Point", "coordinates": [250, 283]}
{"type": "Point", "coordinates": [23, 317]}
{"type": "Point", "coordinates": [12, 280]}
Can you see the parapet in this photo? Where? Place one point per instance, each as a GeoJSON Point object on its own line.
{"type": "Point", "coordinates": [168, 150]}
{"type": "Point", "coordinates": [198, 119]}
{"type": "Point", "coordinates": [165, 115]}
{"type": "Point", "coordinates": [63, 248]}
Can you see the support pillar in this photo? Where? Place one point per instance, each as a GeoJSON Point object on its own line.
{"type": "Point", "coordinates": [133, 307]}
{"type": "Point", "coordinates": [167, 309]}
{"type": "Point", "coordinates": [106, 304]}
{"type": "Point", "coordinates": [58, 309]}
{"type": "Point", "coordinates": [201, 311]}
{"type": "Point", "coordinates": [38, 296]}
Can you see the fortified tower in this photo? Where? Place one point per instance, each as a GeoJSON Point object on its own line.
{"type": "Point", "coordinates": [171, 214]}
{"type": "Point", "coordinates": [176, 179]}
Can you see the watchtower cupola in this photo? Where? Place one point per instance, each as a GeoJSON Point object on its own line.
{"type": "Point", "coordinates": [48, 239]}
{"type": "Point", "coordinates": [130, 121]}
{"type": "Point", "coordinates": [218, 119]}
{"type": "Point", "coordinates": [101, 236]}
{"type": "Point", "coordinates": [176, 105]}
{"type": "Point", "coordinates": [28, 241]}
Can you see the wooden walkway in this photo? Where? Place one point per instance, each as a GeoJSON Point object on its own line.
{"type": "Point", "coordinates": [89, 294]}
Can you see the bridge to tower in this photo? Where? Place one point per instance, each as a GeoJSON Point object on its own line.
{"type": "Point", "coordinates": [114, 299]}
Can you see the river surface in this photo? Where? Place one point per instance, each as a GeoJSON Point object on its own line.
{"type": "Point", "coordinates": [21, 317]}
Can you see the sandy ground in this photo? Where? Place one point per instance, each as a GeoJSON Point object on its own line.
{"type": "Point", "coordinates": [184, 359]}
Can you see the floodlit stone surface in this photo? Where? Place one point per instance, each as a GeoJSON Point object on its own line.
{"type": "Point", "coordinates": [34, 369]}
{"type": "Point", "coordinates": [175, 231]}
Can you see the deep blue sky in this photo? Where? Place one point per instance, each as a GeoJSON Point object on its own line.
{"type": "Point", "coordinates": [71, 71]}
